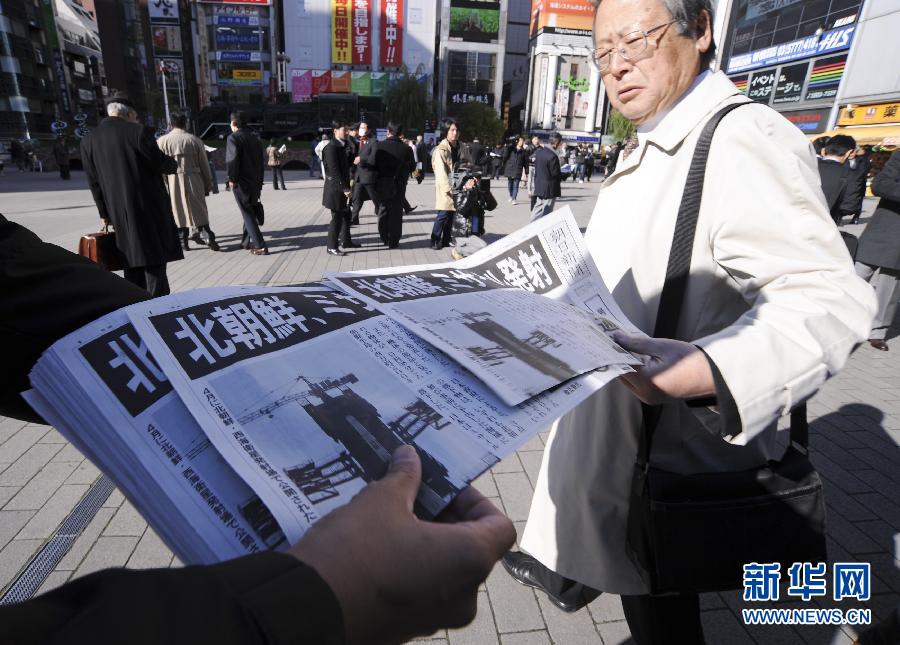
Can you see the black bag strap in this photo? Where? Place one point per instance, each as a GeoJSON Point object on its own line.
{"type": "Point", "coordinates": [678, 271]}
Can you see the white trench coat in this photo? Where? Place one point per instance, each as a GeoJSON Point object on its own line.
{"type": "Point", "coordinates": [773, 300]}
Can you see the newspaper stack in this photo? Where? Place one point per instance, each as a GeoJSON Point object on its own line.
{"type": "Point", "coordinates": [233, 419]}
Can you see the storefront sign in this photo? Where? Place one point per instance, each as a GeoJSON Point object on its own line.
{"type": "Point", "coordinates": [163, 11]}
{"type": "Point", "coordinates": [362, 33]}
{"type": "Point", "coordinates": [830, 41]}
{"type": "Point", "coordinates": [567, 17]}
{"type": "Point", "coordinates": [761, 84]}
{"type": "Point", "coordinates": [237, 21]}
{"type": "Point", "coordinates": [247, 75]}
{"type": "Point", "coordinates": [809, 121]}
{"type": "Point", "coordinates": [391, 33]}
{"type": "Point", "coordinates": [301, 85]}
{"type": "Point", "coordinates": [361, 83]}
{"type": "Point", "coordinates": [870, 114]}
{"type": "Point", "coordinates": [238, 56]}
{"type": "Point", "coordinates": [825, 77]}
{"type": "Point", "coordinates": [379, 83]}
{"type": "Point", "coordinates": [340, 32]}
{"type": "Point", "coordinates": [321, 82]}
{"type": "Point", "coordinates": [461, 98]}
{"type": "Point", "coordinates": [790, 84]}
{"type": "Point", "coordinates": [340, 82]}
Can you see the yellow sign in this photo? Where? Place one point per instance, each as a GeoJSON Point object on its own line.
{"type": "Point", "coordinates": [341, 33]}
{"type": "Point", "coordinates": [247, 75]}
{"type": "Point", "coordinates": [870, 114]}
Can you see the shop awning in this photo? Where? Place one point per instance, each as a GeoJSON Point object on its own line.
{"type": "Point", "coordinates": [867, 135]}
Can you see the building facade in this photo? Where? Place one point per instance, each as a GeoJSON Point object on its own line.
{"type": "Point", "coordinates": [83, 61]}
{"type": "Point", "coordinates": [565, 92]}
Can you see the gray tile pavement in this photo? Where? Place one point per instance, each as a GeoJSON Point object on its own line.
{"type": "Point", "coordinates": [854, 434]}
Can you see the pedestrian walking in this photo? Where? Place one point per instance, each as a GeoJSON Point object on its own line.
{"type": "Point", "coordinates": [393, 161]}
{"type": "Point", "coordinates": [125, 169]}
{"type": "Point", "coordinates": [579, 163]}
{"type": "Point", "coordinates": [878, 255]}
{"type": "Point", "coordinates": [497, 160]}
{"type": "Point", "coordinates": [212, 170]}
{"type": "Point", "coordinates": [189, 186]}
{"type": "Point", "coordinates": [612, 157]}
{"type": "Point", "coordinates": [547, 177]}
{"type": "Point", "coordinates": [336, 192]}
{"type": "Point", "coordinates": [514, 164]}
{"type": "Point", "coordinates": [275, 158]}
{"type": "Point", "coordinates": [416, 172]}
{"type": "Point", "coordinates": [444, 160]}
{"type": "Point", "coordinates": [317, 154]}
{"type": "Point", "coordinates": [589, 162]}
{"type": "Point", "coordinates": [859, 168]}
{"type": "Point", "coordinates": [422, 154]}
{"type": "Point", "coordinates": [61, 156]}
{"type": "Point", "coordinates": [767, 313]}
{"type": "Point", "coordinates": [246, 167]}
{"type": "Point", "coordinates": [835, 174]}
{"type": "Point", "coordinates": [364, 176]}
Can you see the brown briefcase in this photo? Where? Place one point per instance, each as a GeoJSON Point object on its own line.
{"type": "Point", "coordinates": [100, 247]}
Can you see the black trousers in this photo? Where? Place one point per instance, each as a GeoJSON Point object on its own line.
{"type": "Point", "coordinates": [278, 172]}
{"type": "Point", "coordinates": [660, 620]}
{"type": "Point", "coordinates": [442, 230]}
{"type": "Point", "coordinates": [152, 278]}
{"type": "Point", "coordinates": [64, 171]}
{"type": "Point", "coordinates": [390, 220]}
{"type": "Point", "coordinates": [252, 237]}
{"type": "Point", "coordinates": [361, 193]}
{"type": "Point", "coordinates": [339, 226]}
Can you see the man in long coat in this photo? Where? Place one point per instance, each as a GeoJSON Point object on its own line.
{"type": "Point", "coordinates": [772, 309]}
{"type": "Point", "coordinates": [124, 168]}
{"type": "Point", "coordinates": [189, 186]}
{"type": "Point", "coordinates": [337, 191]}
{"type": "Point", "coordinates": [878, 257]}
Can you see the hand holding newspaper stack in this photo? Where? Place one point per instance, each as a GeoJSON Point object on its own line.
{"type": "Point", "coordinates": [235, 418]}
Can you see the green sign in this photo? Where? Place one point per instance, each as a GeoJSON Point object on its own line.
{"type": "Point", "coordinates": [574, 84]}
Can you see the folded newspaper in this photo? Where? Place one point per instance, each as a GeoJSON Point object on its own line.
{"type": "Point", "coordinates": [235, 418]}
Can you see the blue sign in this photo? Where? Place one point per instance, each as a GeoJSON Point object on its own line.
{"type": "Point", "coordinates": [238, 39]}
{"type": "Point", "coordinates": [238, 21]}
{"type": "Point", "coordinates": [830, 41]}
{"type": "Point", "coordinates": [237, 56]}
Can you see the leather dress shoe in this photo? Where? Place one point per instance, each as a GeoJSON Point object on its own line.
{"type": "Point", "coordinates": [262, 251]}
{"type": "Point", "coordinates": [337, 252]}
{"type": "Point", "coordinates": [436, 246]}
{"type": "Point", "coordinates": [527, 571]}
{"type": "Point", "coordinates": [351, 245]}
{"type": "Point", "coordinates": [877, 343]}
{"type": "Point", "coordinates": [393, 245]}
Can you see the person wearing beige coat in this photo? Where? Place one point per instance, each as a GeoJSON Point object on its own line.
{"type": "Point", "coordinates": [189, 186]}
{"type": "Point", "coordinates": [444, 159]}
{"type": "Point", "coordinates": [773, 309]}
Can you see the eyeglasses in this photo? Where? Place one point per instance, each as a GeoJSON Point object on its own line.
{"type": "Point", "coordinates": [630, 47]}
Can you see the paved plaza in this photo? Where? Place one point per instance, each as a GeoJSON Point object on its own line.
{"type": "Point", "coordinates": [855, 431]}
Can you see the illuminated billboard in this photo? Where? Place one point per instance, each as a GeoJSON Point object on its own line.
{"type": "Point", "coordinates": [566, 17]}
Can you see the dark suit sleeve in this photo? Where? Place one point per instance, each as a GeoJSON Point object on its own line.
{"type": "Point", "coordinates": [48, 292]}
{"type": "Point", "coordinates": [367, 156]}
{"type": "Point", "coordinates": [159, 160]}
{"type": "Point", "coordinates": [91, 172]}
{"type": "Point", "coordinates": [262, 599]}
{"type": "Point", "coordinates": [232, 163]}
{"type": "Point", "coordinates": [261, 168]}
{"type": "Point", "coordinates": [555, 170]}
{"type": "Point", "coordinates": [887, 183]}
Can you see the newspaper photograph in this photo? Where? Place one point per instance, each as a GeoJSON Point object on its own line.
{"type": "Point", "coordinates": [525, 314]}
{"type": "Point", "coordinates": [128, 419]}
{"type": "Point", "coordinates": [307, 392]}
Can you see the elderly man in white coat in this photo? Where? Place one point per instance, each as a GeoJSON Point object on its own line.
{"type": "Point", "coordinates": [773, 308]}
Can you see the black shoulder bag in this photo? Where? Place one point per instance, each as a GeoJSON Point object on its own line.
{"type": "Point", "coordinates": [694, 533]}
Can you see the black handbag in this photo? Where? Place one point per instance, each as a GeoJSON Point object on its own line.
{"type": "Point", "coordinates": [259, 212]}
{"type": "Point", "coordinates": [694, 533]}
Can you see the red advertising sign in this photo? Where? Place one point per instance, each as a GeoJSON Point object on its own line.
{"type": "Point", "coordinates": [391, 33]}
{"type": "Point", "coordinates": [362, 32]}
{"type": "Point", "coordinates": [321, 81]}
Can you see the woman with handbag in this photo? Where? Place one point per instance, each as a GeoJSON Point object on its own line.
{"type": "Point", "coordinates": [741, 319]}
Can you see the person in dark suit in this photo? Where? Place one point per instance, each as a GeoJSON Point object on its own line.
{"type": "Point", "coordinates": [515, 161]}
{"type": "Point", "coordinates": [313, 593]}
{"type": "Point", "coordinates": [364, 178]}
{"type": "Point", "coordinates": [337, 190]}
{"type": "Point", "coordinates": [835, 174]}
{"type": "Point", "coordinates": [125, 169]}
{"type": "Point", "coordinates": [878, 256]}
{"type": "Point", "coordinates": [245, 164]}
{"type": "Point", "coordinates": [856, 184]}
{"type": "Point", "coordinates": [547, 177]}
{"type": "Point", "coordinates": [422, 154]}
{"type": "Point", "coordinates": [393, 161]}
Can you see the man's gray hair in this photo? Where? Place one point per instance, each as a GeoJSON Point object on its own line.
{"type": "Point", "coordinates": [119, 109]}
{"type": "Point", "coordinates": [688, 13]}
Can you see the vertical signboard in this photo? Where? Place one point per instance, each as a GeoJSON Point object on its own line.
{"type": "Point", "coordinates": [163, 11]}
{"type": "Point", "coordinates": [301, 85]}
{"type": "Point", "coordinates": [362, 33]}
{"type": "Point", "coordinates": [340, 33]}
{"type": "Point", "coordinates": [790, 83]}
{"type": "Point", "coordinates": [761, 84]}
{"type": "Point", "coordinates": [391, 33]}
{"type": "Point", "coordinates": [825, 77]}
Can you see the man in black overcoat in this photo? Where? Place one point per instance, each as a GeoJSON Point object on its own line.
{"type": "Point", "coordinates": [546, 178]}
{"type": "Point", "coordinates": [337, 189]}
{"type": "Point", "coordinates": [364, 177]}
{"type": "Point", "coordinates": [835, 174]}
{"type": "Point", "coordinates": [393, 161]}
{"type": "Point", "coordinates": [246, 169]}
{"type": "Point", "coordinates": [125, 169]}
{"type": "Point", "coordinates": [856, 184]}
{"type": "Point", "coordinates": [878, 256]}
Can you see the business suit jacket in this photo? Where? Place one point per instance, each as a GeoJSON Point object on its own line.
{"type": "Point", "coordinates": [834, 176]}
{"type": "Point", "coordinates": [125, 169]}
{"type": "Point", "coordinates": [879, 244]}
{"type": "Point", "coordinates": [366, 172]}
{"type": "Point", "coordinates": [547, 173]}
{"type": "Point", "coordinates": [245, 163]}
{"type": "Point", "coordinates": [337, 176]}
{"type": "Point", "coordinates": [772, 299]}
{"type": "Point", "coordinates": [394, 161]}
{"type": "Point", "coordinates": [856, 185]}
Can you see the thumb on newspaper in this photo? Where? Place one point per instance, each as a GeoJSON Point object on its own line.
{"type": "Point", "coordinates": [405, 474]}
